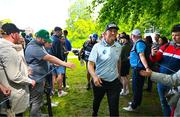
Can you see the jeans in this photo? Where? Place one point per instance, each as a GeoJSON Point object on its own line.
{"type": "Point", "coordinates": [137, 88]}
{"type": "Point", "coordinates": [162, 89]}
{"type": "Point", "coordinates": [112, 89]}
{"type": "Point", "coordinates": [36, 100]}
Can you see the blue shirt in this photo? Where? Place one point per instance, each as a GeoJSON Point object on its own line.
{"type": "Point", "coordinates": [68, 44]}
{"type": "Point", "coordinates": [106, 59]}
{"type": "Point", "coordinates": [134, 54]}
{"type": "Point", "coordinates": [57, 48]}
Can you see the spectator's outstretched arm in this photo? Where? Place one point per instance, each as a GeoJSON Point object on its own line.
{"type": "Point", "coordinates": [170, 80]}
{"type": "Point", "coordinates": [55, 60]}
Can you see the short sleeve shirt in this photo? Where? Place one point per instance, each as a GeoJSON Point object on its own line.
{"type": "Point", "coordinates": [34, 57]}
{"type": "Point", "coordinates": [106, 59]}
{"type": "Point", "coordinates": [134, 54]}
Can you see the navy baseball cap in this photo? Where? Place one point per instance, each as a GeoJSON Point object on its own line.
{"type": "Point", "coordinates": [57, 28]}
{"type": "Point", "coordinates": [95, 36]}
{"type": "Point", "coordinates": [112, 25]}
{"type": "Point", "coordinates": [9, 28]}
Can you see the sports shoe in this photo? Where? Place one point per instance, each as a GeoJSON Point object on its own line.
{"type": "Point", "coordinates": [52, 92]}
{"type": "Point", "coordinates": [62, 93]}
{"type": "Point", "coordinates": [124, 93]}
{"type": "Point", "coordinates": [129, 103]}
{"type": "Point", "coordinates": [127, 91]}
{"type": "Point", "coordinates": [67, 87]}
{"type": "Point", "coordinates": [129, 108]}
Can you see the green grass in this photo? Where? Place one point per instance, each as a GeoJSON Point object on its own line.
{"type": "Point", "coordinates": [78, 102]}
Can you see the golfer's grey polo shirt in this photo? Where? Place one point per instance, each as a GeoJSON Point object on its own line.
{"type": "Point", "coordinates": [106, 59]}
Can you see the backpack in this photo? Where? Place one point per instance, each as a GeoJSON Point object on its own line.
{"type": "Point", "coordinates": [147, 53]}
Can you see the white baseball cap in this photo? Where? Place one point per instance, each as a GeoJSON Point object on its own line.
{"type": "Point", "coordinates": [136, 32]}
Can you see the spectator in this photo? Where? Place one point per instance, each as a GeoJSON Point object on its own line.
{"type": "Point", "coordinates": [168, 80]}
{"type": "Point", "coordinates": [156, 37]}
{"type": "Point", "coordinates": [56, 50]}
{"type": "Point", "coordinates": [162, 41]}
{"type": "Point", "coordinates": [68, 48]}
{"type": "Point", "coordinates": [61, 70]}
{"type": "Point", "coordinates": [67, 42]}
{"type": "Point", "coordinates": [106, 57]}
{"type": "Point", "coordinates": [149, 43]}
{"type": "Point", "coordinates": [85, 52]}
{"type": "Point", "coordinates": [13, 70]}
{"type": "Point", "coordinates": [37, 58]}
{"type": "Point", "coordinates": [125, 65]}
{"type": "Point", "coordinates": [138, 62]}
{"type": "Point", "coordinates": [168, 57]}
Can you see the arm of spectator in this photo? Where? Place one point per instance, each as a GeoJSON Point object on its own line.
{"type": "Point", "coordinates": [144, 61]}
{"type": "Point", "coordinates": [6, 91]}
{"type": "Point", "coordinates": [96, 79]}
{"type": "Point", "coordinates": [169, 80]}
{"type": "Point", "coordinates": [57, 61]}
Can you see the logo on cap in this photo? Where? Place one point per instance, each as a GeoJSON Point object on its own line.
{"type": "Point", "coordinates": [112, 25]}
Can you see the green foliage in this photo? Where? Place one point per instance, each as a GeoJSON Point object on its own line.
{"type": "Point", "coordinates": [81, 31]}
{"type": "Point", "coordinates": [130, 14]}
{"type": "Point", "coordinates": [80, 24]}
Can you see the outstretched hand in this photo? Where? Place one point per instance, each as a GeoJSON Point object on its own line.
{"type": "Point", "coordinates": [71, 65]}
{"type": "Point", "coordinates": [145, 73]}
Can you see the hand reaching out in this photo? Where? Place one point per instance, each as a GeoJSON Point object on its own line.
{"type": "Point", "coordinates": [145, 73]}
{"type": "Point", "coordinates": [71, 65]}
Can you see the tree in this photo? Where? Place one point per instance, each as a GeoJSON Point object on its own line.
{"type": "Point", "coordinates": [80, 24]}
{"type": "Point", "coordinates": [161, 14]}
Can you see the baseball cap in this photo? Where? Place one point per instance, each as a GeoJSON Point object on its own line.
{"type": "Point", "coordinates": [136, 32]}
{"type": "Point", "coordinates": [176, 28]}
{"type": "Point", "coordinates": [44, 34]}
{"type": "Point", "coordinates": [157, 33]}
{"type": "Point", "coordinates": [95, 36]}
{"type": "Point", "coordinates": [57, 28]}
{"type": "Point", "coordinates": [112, 25]}
{"type": "Point", "coordinates": [9, 28]}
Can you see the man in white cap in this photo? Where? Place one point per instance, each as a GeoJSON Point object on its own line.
{"type": "Point", "coordinates": [138, 62]}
